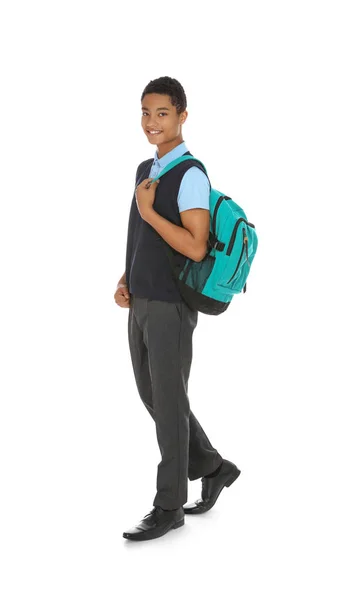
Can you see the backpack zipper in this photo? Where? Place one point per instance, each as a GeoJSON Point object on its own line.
{"type": "Point", "coordinates": [233, 235]}
{"type": "Point", "coordinates": [245, 245]}
{"type": "Point", "coordinates": [217, 206]}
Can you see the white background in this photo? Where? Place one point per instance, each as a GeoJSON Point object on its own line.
{"type": "Point", "coordinates": [273, 102]}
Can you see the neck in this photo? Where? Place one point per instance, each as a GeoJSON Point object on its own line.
{"type": "Point", "coordinates": [166, 147]}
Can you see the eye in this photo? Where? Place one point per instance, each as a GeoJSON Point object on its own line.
{"type": "Point", "coordinates": [145, 113]}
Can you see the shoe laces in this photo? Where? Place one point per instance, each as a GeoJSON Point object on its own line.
{"type": "Point", "coordinates": [154, 510]}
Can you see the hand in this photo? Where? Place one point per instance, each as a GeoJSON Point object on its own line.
{"type": "Point", "coordinates": [145, 195]}
{"type": "Point", "coordinates": [122, 296]}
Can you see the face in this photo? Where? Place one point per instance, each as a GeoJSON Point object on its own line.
{"type": "Point", "coordinates": [158, 114]}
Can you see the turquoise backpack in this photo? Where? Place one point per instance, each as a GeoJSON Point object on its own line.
{"type": "Point", "coordinates": [209, 285]}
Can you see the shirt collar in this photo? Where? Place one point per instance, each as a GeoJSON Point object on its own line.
{"type": "Point", "coordinates": [170, 156]}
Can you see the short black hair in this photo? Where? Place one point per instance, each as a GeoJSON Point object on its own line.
{"type": "Point", "coordinates": [170, 86]}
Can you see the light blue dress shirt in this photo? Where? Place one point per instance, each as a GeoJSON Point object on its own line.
{"type": "Point", "coordinates": [194, 191]}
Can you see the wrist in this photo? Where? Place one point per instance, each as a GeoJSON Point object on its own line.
{"type": "Point", "coordinates": [147, 214]}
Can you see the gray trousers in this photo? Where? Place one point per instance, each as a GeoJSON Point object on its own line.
{"type": "Point", "coordinates": [160, 341]}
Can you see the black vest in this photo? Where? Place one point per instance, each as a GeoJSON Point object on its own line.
{"type": "Point", "coordinates": [148, 272]}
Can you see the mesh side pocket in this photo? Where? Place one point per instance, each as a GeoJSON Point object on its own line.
{"type": "Point", "coordinates": [199, 273]}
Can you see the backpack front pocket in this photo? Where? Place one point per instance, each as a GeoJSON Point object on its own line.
{"type": "Point", "coordinates": [244, 248]}
{"type": "Point", "coordinates": [229, 268]}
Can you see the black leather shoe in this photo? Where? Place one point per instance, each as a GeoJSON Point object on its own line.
{"type": "Point", "coordinates": [211, 488]}
{"type": "Point", "coordinates": [156, 523]}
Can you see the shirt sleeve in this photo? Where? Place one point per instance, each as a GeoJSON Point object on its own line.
{"type": "Point", "coordinates": [194, 191]}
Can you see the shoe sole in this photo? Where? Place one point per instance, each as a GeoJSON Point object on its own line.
{"type": "Point", "coordinates": [154, 537]}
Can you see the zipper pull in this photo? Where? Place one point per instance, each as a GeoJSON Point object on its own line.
{"type": "Point", "coordinates": [245, 240]}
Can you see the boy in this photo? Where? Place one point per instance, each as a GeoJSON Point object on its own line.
{"type": "Point", "coordinates": [160, 325]}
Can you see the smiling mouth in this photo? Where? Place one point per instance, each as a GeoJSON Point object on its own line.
{"type": "Point", "coordinates": [156, 132]}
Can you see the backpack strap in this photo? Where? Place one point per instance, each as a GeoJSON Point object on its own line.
{"type": "Point", "coordinates": [215, 243]}
{"type": "Point", "coordinates": [171, 252]}
{"type": "Point", "coordinates": [177, 161]}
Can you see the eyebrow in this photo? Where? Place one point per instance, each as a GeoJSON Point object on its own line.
{"type": "Point", "coordinates": [161, 108]}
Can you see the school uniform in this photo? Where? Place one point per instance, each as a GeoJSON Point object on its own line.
{"type": "Point", "coordinates": [160, 330]}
